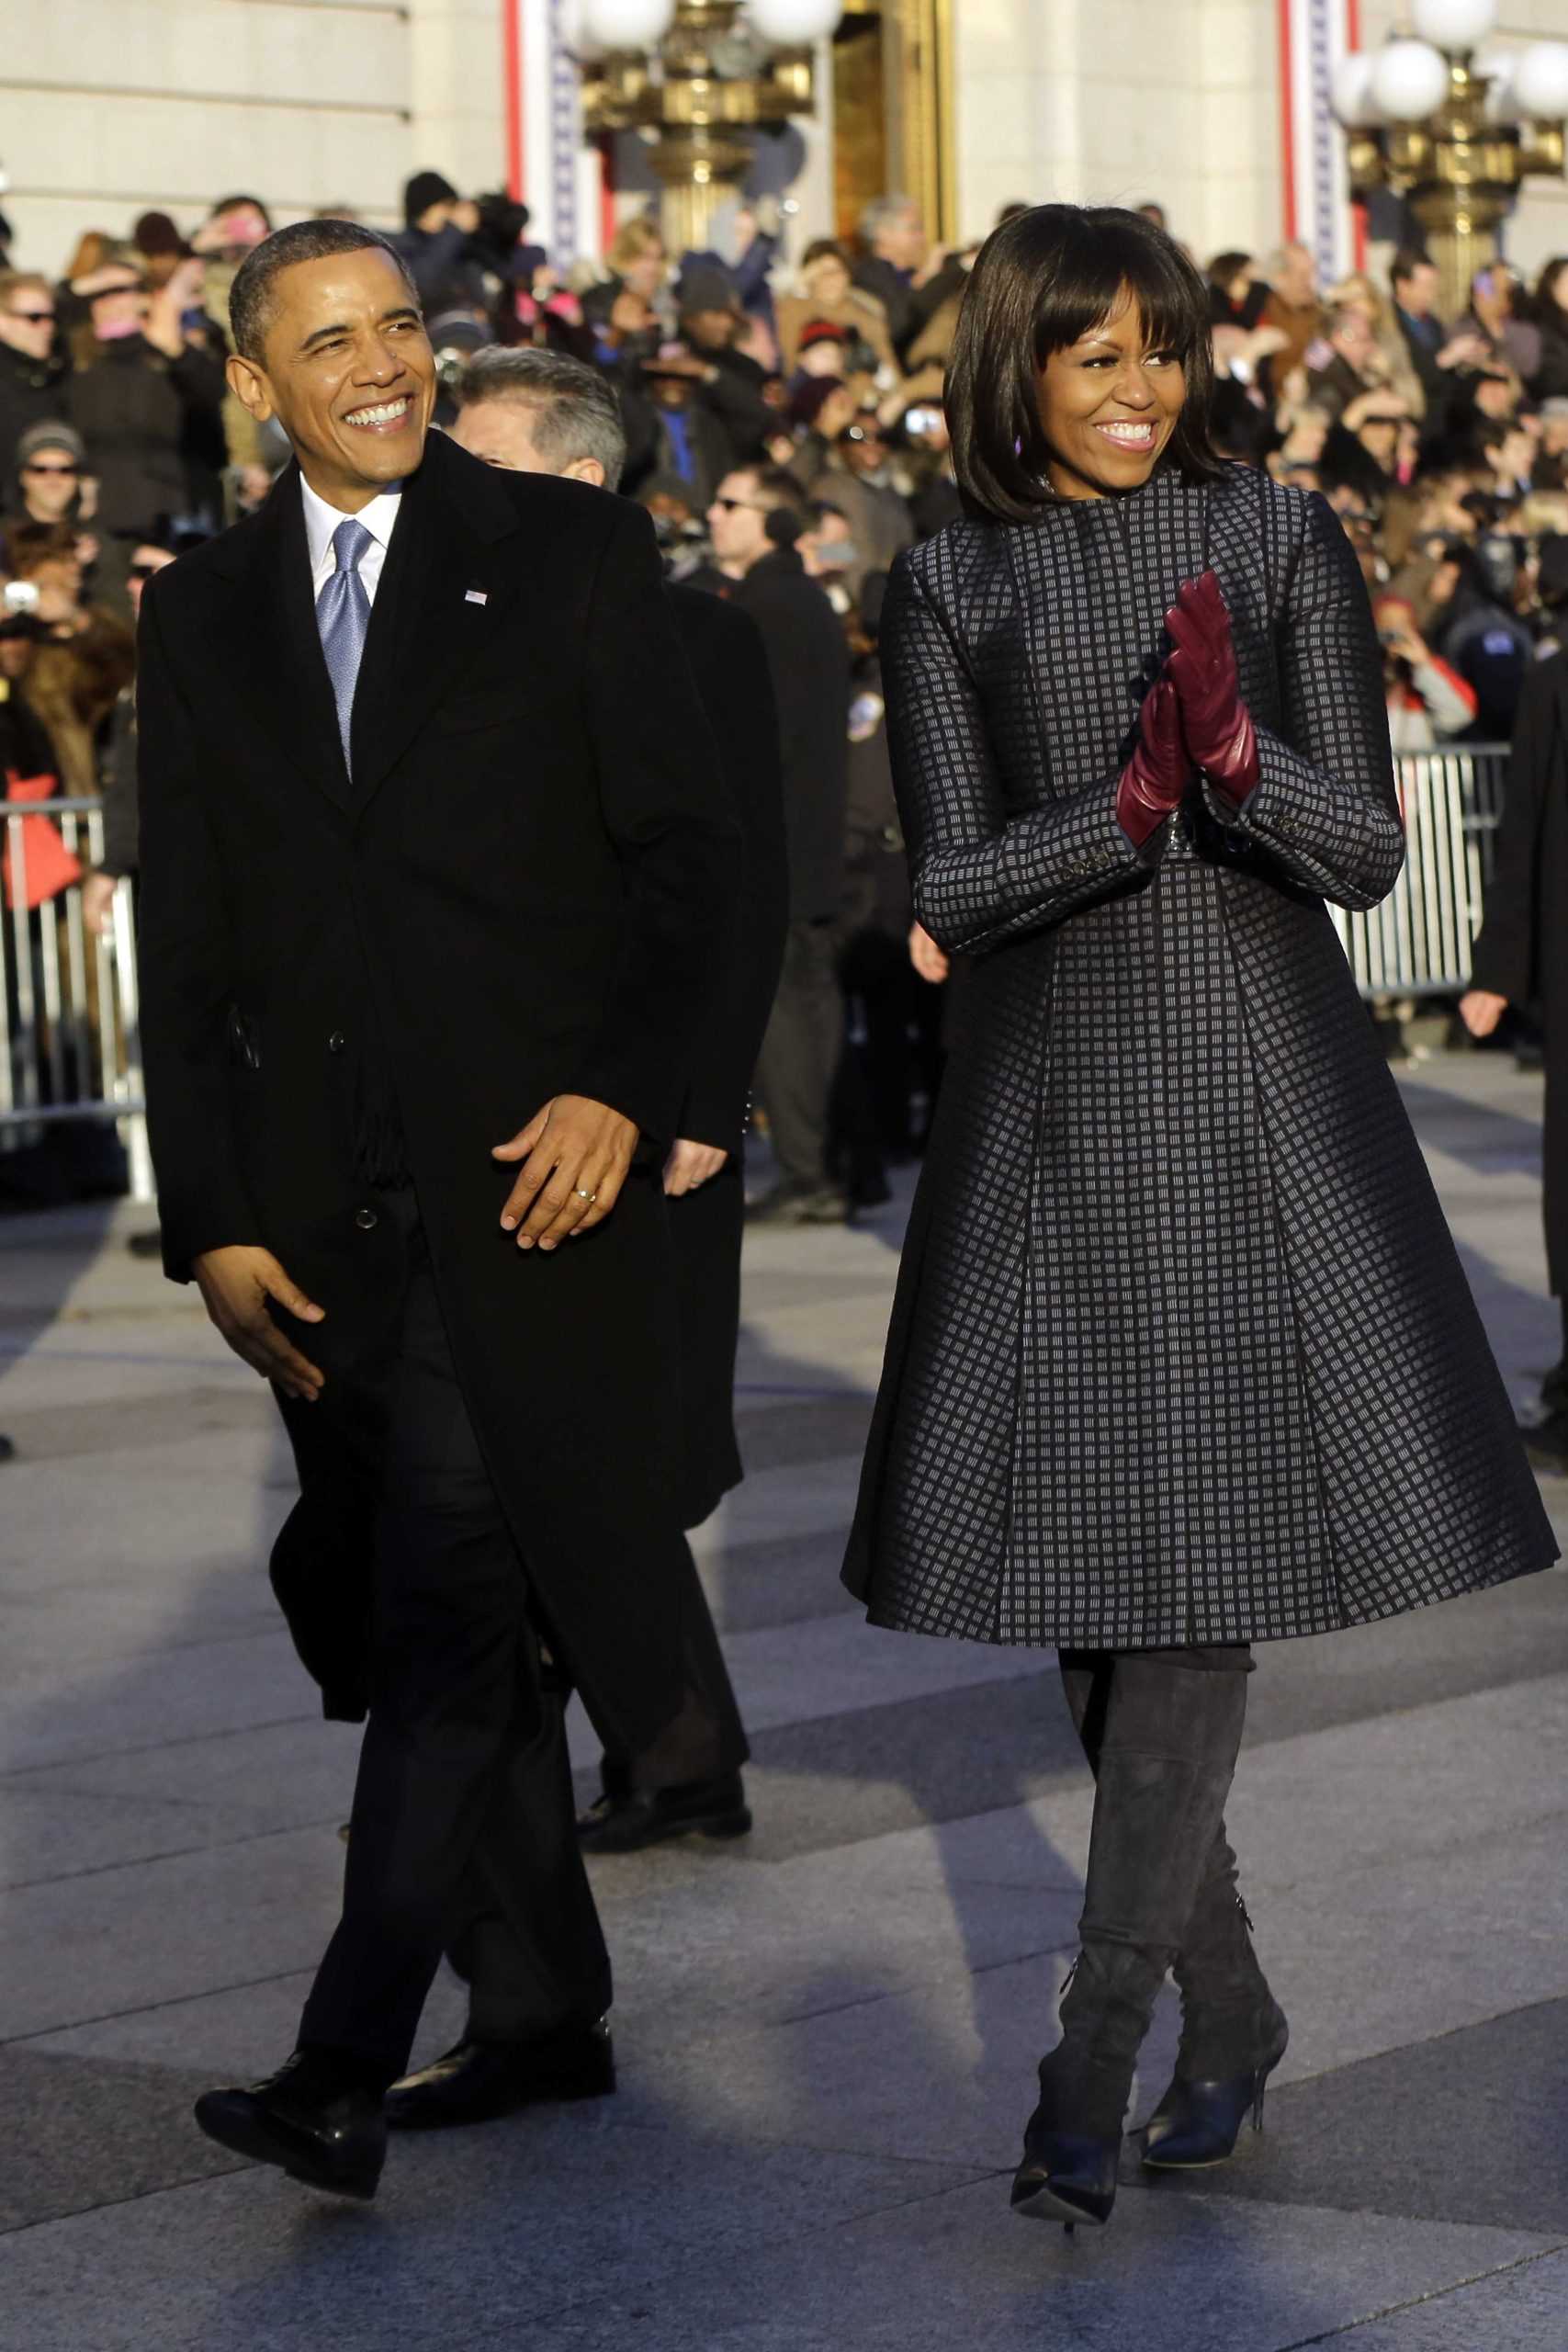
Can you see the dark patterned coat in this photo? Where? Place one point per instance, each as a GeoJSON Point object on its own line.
{"type": "Point", "coordinates": [1182, 1352]}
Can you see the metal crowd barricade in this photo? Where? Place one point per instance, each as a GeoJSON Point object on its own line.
{"type": "Point", "coordinates": [1418, 942]}
{"type": "Point", "coordinates": [70, 1043]}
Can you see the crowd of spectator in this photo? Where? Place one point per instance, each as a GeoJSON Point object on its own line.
{"type": "Point", "coordinates": [784, 426]}
{"type": "Point", "coordinates": [1442, 444]}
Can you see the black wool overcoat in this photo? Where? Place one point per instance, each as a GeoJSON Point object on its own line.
{"type": "Point", "coordinates": [520, 894]}
{"type": "Point", "coordinates": [809, 660]}
{"type": "Point", "coordinates": [1522, 952]}
{"type": "Point", "coordinates": [1182, 1352]}
{"type": "Point", "coordinates": [729, 668]}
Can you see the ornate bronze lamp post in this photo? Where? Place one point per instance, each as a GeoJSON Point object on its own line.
{"type": "Point", "coordinates": [1454, 130]}
{"type": "Point", "coordinates": [695, 78]}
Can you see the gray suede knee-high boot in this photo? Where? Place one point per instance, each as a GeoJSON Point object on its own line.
{"type": "Point", "coordinates": [1166, 1756]}
{"type": "Point", "coordinates": [1234, 2032]}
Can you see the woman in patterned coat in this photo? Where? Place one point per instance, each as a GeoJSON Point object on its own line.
{"type": "Point", "coordinates": [1182, 1356]}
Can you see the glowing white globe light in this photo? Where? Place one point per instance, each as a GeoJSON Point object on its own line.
{"type": "Point", "coordinates": [627, 24]}
{"type": "Point", "coordinates": [1454, 24]}
{"type": "Point", "coordinates": [794, 24]}
{"type": "Point", "coordinates": [1353, 101]}
{"type": "Point", "coordinates": [1409, 80]}
{"type": "Point", "coordinates": [1540, 81]}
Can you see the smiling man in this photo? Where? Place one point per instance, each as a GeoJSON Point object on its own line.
{"type": "Point", "coordinates": [434, 847]}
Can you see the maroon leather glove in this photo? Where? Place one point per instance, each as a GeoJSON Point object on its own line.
{"type": "Point", "coordinates": [1214, 719]}
{"type": "Point", "coordinates": [1154, 780]}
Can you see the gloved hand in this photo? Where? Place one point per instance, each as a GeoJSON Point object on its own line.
{"type": "Point", "coordinates": [1151, 785]}
{"type": "Point", "coordinates": [1215, 722]}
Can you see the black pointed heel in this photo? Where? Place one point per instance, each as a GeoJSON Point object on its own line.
{"type": "Point", "coordinates": [1066, 2177]}
{"type": "Point", "coordinates": [1198, 2124]}
{"type": "Point", "coordinates": [1072, 2143]}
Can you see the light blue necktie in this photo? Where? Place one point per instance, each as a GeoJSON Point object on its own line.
{"type": "Point", "coordinates": [343, 616]}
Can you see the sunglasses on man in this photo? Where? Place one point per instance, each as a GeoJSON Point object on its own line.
{"type": "Point", "coordinates": [740, 506]}
{"type": "Point", "coordinates": [32, 467]}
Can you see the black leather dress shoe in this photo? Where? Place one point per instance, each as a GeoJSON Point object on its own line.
{"type": "Point", "coordinates": [321, 2128]}
{"type": "Point", "coordinates": [481, 2080]}
{"type": "Point", "coordinates": [625, 1824]}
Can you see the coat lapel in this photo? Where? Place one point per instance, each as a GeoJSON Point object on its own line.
{"type": "Point", "coordinates": [276, 640]}
{"type": "Point", "coordinates": [426, 626]}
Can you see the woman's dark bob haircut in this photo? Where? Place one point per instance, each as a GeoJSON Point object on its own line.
{"type": "Point", "coordinates": [1040, 283]}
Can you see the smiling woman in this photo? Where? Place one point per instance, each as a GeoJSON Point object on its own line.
{"type": "Point", "coordinates": [1082, 359]}
{"type": "Point", "coordinates": [1182, 1358]}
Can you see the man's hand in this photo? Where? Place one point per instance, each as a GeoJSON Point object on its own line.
{"type": "Point", "coordinates": [691, 1165]}
{"type": "Point", "coordinates": [236, 1285]}
{"type": "Point", "coordinates": [574, 1154]}
{"type": "Point", "coordinates": [97, 902]}
{"type": "Point", "coordinates": [1481, 1012]}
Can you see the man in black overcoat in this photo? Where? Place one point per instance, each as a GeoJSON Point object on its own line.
{"type": "Point", "coordinates": [536, 410]}
{"type": "Point", "coordinates": [1522, 958]}
{"type": "Point", "coordinates": [541, 411]}
{"type": "Point", "coordinates": [756, 520]}
{"type": "Point", "coordinates": [435, 855]}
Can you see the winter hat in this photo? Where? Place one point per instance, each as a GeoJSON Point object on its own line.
{"type": "Point", "coordinates": [424, 189]}
{"type": "Point", "coordinates": [52, 437]}
{"type": "Point", "coordinates": [705, 289]}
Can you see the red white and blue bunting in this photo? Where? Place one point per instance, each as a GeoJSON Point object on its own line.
{"type": "Point", "coordinates": [548, 163]}
{"type": "Point", "coordinates": [1314, 36]}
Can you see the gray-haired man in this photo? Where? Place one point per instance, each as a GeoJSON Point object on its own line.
{"type": "Point", "coordinates": [537, 412]}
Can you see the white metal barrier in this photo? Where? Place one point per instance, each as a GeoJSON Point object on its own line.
{"type": "Point", "coordinates": [1418, 942]}
{"type": "Point", "coordinates": [70, 1043]}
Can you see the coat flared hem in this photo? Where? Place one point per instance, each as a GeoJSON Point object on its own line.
{"type": "Point", "coordinates": [1204, 1633]}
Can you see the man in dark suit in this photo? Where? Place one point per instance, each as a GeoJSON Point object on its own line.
{"type": "Point", "coordinates": [434, 853]}
{"type": "Point", "coordinates": [755, 522]}
{"type": "Point", "coordinates": [1435, 354]}
{"type": "Point", "coordinates": [539, 412]}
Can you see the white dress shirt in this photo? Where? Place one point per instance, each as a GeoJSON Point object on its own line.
{"type": "Point", "coordinates": [321, 521]}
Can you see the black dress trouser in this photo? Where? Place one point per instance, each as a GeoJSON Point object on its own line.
{"type": "Point", "coordinates": [800, 1054]}
{"type": "Point", "coordinates": [707, 1739]}
{"type": "Point", "coordinates": [463, 1834]}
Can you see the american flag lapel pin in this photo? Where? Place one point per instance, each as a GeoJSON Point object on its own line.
{"type": "Point", "coordinates": [475, 596]}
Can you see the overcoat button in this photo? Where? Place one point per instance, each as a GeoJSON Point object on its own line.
{"type": "Point", "coordinates": [336, 1041]}
{"type": "Point", "coordinates": [366, 1220]}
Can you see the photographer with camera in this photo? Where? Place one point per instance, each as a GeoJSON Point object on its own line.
{"type": "Point", "coordinates": [435, 244]}
{"type": "Point", "coordinates": [1427, 701]}
{"type": "Point", "coordinates": [843, 461]}
{"type": "Point", "coordinates": [1484, 638]}
{"type": "Point", "coordinates": [81, 654]}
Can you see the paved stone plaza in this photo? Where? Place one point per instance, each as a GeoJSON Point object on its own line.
{"type": "Point", "coordinates": [827, 2034]}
